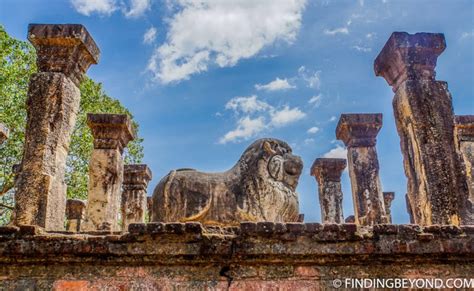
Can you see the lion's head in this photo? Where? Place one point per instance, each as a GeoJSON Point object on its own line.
{"type": "Point", "coordinates": [270, 172]}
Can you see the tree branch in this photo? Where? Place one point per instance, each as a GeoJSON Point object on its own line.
{"type": "Point", "coordinates": [6, 206]}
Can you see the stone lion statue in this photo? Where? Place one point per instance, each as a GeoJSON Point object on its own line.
{"type": "Point", "coordinates": [260, 187]}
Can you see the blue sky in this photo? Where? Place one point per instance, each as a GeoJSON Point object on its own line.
{"type": "Point", "coordinates": [206, 78]}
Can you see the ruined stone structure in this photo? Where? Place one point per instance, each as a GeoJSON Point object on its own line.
{"type": "Point", "coordinates": [359, 132]}
{"type": "Point", "coordinates": [328, 174]}
{"type": "Point", "coordinates": [134, 199]}
{"type": "Point", "coordinates": [253, 256]}
{"type": "Point", "coordinates": [260, 187]}
{"type": "Point", "coordinates": [111, 133]}
{"type": "Point", "coordinates": [3, 133]}
{"type": "Point", "coordinates": [464, 133]}
{"type": "Point", "coordinates": [387, 201]}
{"type": "Point", "coordinates": [240, 229]}
{"type": "Point", "coordinates": [437, 187]}
{"type": "Point", "coordinates": [75, 209]}
{"type": "Point", "coordinates": [65, 52]}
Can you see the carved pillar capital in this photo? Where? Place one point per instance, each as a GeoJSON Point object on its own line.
{"type": "Point", "coordinates": [63, 48]}
{"type": "Point", "coordinates": [110, 131]}
{"type": "Point", "coordinates": [4, 132]}
{"type": "Point", "coordinates": [328, 174]}
{"type": "Point", "coordinates": [409, 56]}
{"type": "Point", "coordinates": [134, 198]}
{"type": "Point", "coordinates": [359, 130]}
{"type": "Point", "coordinates": [464, 125]}
{"type": "Point", "coordinates": [136, 177]}
{"type": "Point", "coordinates": [75, 208]}
{"type": "Point", "coordinates": [324, 169]}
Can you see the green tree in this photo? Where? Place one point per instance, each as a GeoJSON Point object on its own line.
{"type": "Point", "coordinates": [17, 63]}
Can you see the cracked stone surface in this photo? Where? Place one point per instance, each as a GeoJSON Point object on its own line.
{"type": "Point", "coordinates": [437, 186]}
{"type": "Point", "coordinates": [260, 187]}
{"type": "Point", "coordinates": [251, 256]}
{"type": "Point", "coordinates": [464, 133]}
{"type": "Point", "coordinates": [134, 195]}
{"type": "Point", "coordinates": [359, 132]}
{"type": "Point", "coordinates": [328, 175]}
{"type": "Point", "coordinates": [64, 52]}
{"type": "Point", "coordinates": [111, 133]}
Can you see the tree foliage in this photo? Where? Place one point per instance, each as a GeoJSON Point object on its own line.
{"type": "Point", "coordinates": [17, 63]}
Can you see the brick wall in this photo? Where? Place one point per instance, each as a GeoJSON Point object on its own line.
{"type": "Point", "coordinates": [254, 256]}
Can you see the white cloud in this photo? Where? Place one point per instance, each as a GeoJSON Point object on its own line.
{"type": "Point", "coordinates": [247, 104]}
{"type": "Point", "coordinates": [370, 35]}
{"type": "Point", "coordinates": [362, 49]}
{"type": "Point", "coordinates": [338, 152]}
{"type": "Point", "coordinates": [255, 116]}
{"type": "Point", "coordinates": [275, 85]}
{"type": "Point", "coordinates": [466, 35]}
{"type": "Point", "coordinates": [312, 79]}
{"type": "Point", "coordinates": [222, 33]}
{"type": "Point", "coordinates": [150, 35]}
{"type": "Point", "coordinates": [246, 128]}
{"type": "Point", "coordinates": [313, 130]}
{"type": "Point", "coordinates": [106, 7]}
{"type": "Point", "coordinates": [87, 7]}
{"type": "Point", "coordinates": [340, 30]}
{"type": "Point", "coordinates": [308, 141]}
{"type": "Point", "coordinates": [332, 119]}
{"type": "Point", "coordinates": [286, 116]}
{"type": "Point", "coordinates": [315, 100]}
{"type": "Point", "coordinates": [137, 8]}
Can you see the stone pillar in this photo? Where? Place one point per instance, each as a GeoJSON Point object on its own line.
{"type": "Point", "coordinates": [328, 175]}
{"type": "Point", "coordinates": [3, 133]}
{"type": "Point", "coordinates": [111, 133]}
{"type": "Point", "coordinates": [437, 186]}
{"type": "Point", "coordinates": [149, 206]}
{"type": "Point", "coordinates": [359, 132]}
{"type": "Point", "coordinates": [409, 210]}
{"type": "Point", "coordinates": [64, 53]}
{"type": "Point", "coordinates": [74, 214]}
{"type": "Point", "coordinates": [387, 201]}
{"type": "Point", "coordinates": [464, 133]}
{"type": "Point", "coordinates": [134, 198]}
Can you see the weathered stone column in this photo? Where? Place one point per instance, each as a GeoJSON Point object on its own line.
{"type": "Point", "coordinates": [387, 200]}
{"type": "Point", "coordinates": [359, 132]}
{"type": "Point", "coordinates": [134, 198]}
{"type": "Point", "coordinates": [149, 206]}
{"type": "Point", "coordinates": [409, 209]}
{"type": "Point", "coordinates": [64, 53]}
{"type": "Point", "coordinates": [74, 214]}
{"type": "Point", "coordinates": [437, 186]}
{"type": "Point", "coordinates": [3, 133]}
{"type": "Point", "coordinates": [111, 132]}
{"type": "Point", "coordinates": [328, 175]}
{"type": "Point", "coordinates": [464, 133]}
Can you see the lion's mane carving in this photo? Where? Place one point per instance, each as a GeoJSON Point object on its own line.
{"type": "Point", "coordinates": [260, 187]}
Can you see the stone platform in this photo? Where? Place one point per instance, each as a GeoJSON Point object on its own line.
{"type": "Point", "coordinates": [270, 256]}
